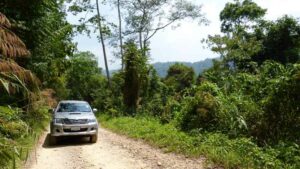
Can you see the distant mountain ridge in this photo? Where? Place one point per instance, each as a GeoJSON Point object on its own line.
{"type": "Point", "coordinates": [199, 67]}
{"type": "Point", "coordinates": [162, 67]}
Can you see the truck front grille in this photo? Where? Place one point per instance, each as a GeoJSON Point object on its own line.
{"type": "Point", "coordinates": [75, 121]}
{"type": "Point", "coordinates": [70, 131]}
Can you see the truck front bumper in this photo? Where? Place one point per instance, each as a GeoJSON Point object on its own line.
{"type": "Point", "coordinates": [74, 129]}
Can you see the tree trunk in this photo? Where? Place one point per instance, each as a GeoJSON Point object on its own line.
{"type": "Point", "coordinates": [120, 34]}
{"type": "Point", "coordinates": [103, 44]}
{"type": "Point", "coordinates": [145, 48]}
{"type": "Point", "coordinates": [141, 40]}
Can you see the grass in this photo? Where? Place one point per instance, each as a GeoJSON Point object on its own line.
{"type": "Point", "coordinates": [16, 139]}
{"type": "Point", "coordinates": [29, 142]}
{"type": "Point", "coordinates": [216, 147]}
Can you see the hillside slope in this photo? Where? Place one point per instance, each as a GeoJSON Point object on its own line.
{"type": "Point", "coordinates": [199, 67]}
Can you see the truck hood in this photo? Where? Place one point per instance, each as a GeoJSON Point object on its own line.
{"type": "Point", "coordinates": [74, 115]}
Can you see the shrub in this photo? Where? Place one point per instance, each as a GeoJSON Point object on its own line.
{"type": "Point", "coordinates": [180, 77]}
{"type": "Point", "coordinates": [282, 107]}
{"type": "Point", "coordinates": [170, 109]}
{"type": "Point", "coordinates": [200, 111]}
{"type": "Point", "coordinates": [11, 125]}
{"type": "Point", "coordinates": [153, 106]}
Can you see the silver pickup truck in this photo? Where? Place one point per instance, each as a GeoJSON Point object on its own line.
{"type": "Point", "coordinates": [73, 118]}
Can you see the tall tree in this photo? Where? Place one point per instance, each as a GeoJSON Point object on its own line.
{"type": "Point", "coordinates": [83, 70]}
{"type": "Point", "coordinates": [281, 40]}
{"type": "Point", "coordinates": [120, 32]}
{"type": "Point", "coordinates": [90, 19]}
{"type": "Point", "coordinates": [239, 44]}
{"type": "Point", "coordinates": [102, 42]}
{"type": "Point", "coordinates": [239, 16]}
{"type": "Point", "coordinates": [249, 40]}
{"type": "Point", "coordinates": [135, 76]}
{"type": "Point", "coordinates": [146, 18]}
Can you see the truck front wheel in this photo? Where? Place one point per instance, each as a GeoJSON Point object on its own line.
{"type": "Point", "coordinates": [94, 138]}
{"type": "Point", "coordinates": [52, 140]}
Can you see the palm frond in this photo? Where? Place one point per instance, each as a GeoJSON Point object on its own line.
{"type": "Point", "coordinates": [12, 84]}
{"type": "Point", "coordinates": [11, 45]}
{"type": "Point", "coordinates": [9, 66]}
{"type": "Point", "coordinates": [16, 77]}
{"type": "Point", "coordinates": [4, 21]}
{"type": "Point", "coordinates": [13, 77]}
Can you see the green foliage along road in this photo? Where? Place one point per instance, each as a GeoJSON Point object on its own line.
{"type": "Point", "coordinates": [243, 112]}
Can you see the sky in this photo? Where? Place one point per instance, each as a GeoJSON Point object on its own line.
{"type": "Point", "coordinates": [184, 43]}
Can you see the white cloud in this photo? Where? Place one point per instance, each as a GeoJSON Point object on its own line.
{"type": "Point", "coordinates": [278, 8]}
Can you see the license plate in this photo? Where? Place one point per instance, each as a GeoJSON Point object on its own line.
{"type": "Point", "coordinates": [75, 128]}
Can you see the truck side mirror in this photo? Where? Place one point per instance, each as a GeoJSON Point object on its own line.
{"type": "Point", "coordinates": [95, 110]}
{"type": "Point", "coordinates": [50, 111]}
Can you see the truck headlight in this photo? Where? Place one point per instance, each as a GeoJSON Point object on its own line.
{"type": "Point", "coordinates": [58, 121]}
{"type": "Point", "coordinates": [92, 120]}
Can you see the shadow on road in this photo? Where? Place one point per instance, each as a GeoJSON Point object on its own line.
{"type": "Point", "coordinates": [67, 141]}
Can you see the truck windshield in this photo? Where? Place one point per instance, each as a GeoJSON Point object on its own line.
{"type": "Point", "coordinates": [74, 107]}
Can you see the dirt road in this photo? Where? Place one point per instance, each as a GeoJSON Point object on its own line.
{"type": "Point", "coordinates": [112, 151]}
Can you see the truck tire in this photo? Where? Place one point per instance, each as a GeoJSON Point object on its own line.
{"type": "Point", "coordinates": [94, 138]}
{"type": "Point", "coordinates": [52, 140]}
